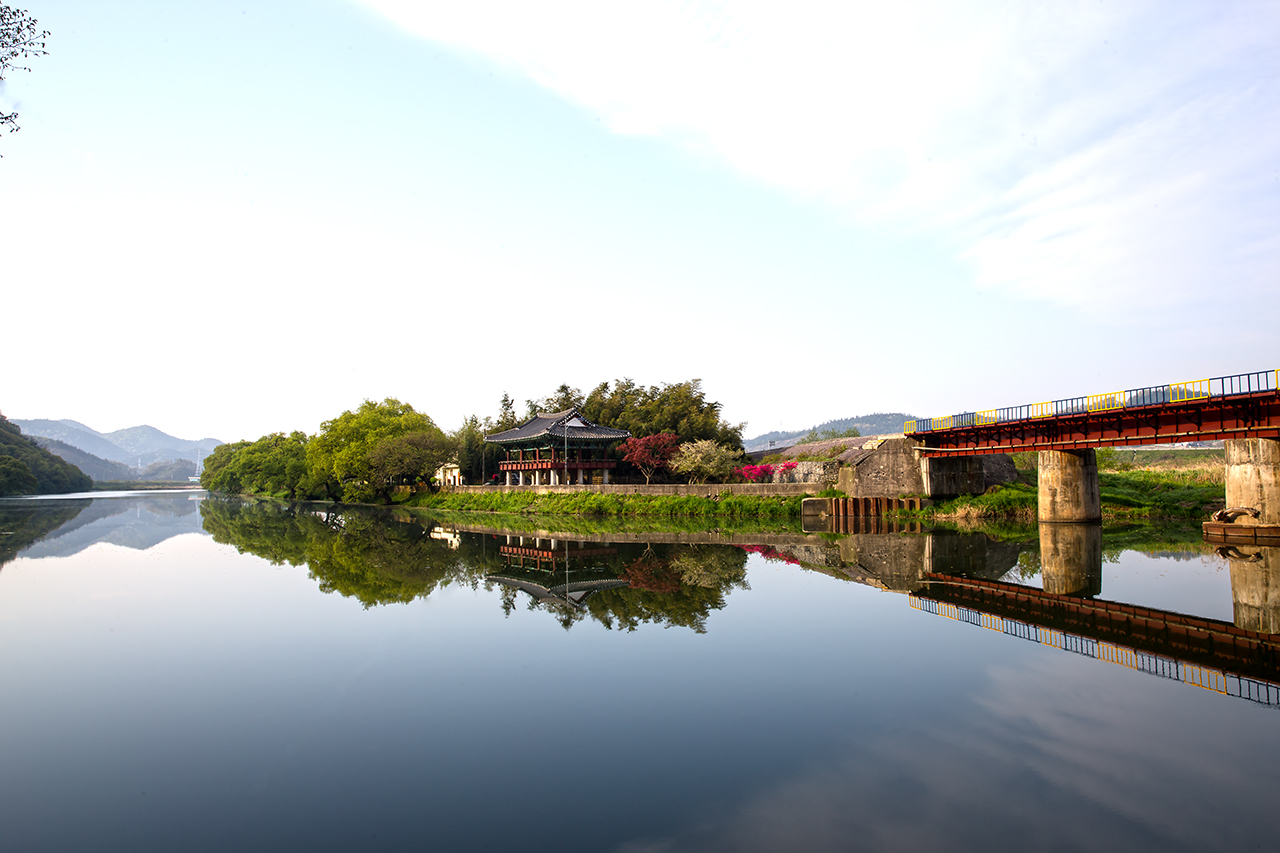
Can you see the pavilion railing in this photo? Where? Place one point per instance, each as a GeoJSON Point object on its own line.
{"type": "Point", "coordinates": [1175, 392]}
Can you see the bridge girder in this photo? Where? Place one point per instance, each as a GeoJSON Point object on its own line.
{"type": "Point", "coordinates": [1254, 415]}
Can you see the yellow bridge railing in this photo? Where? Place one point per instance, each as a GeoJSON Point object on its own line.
{"type": "Point", "coordinates": [1196, 675]}
{"type": "Point", "coordinates": [1175, 392]}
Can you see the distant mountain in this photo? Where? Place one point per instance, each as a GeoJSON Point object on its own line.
{"type": "Point", "coordinates": [174, 470]}
{"type": "Point", "coordinates": [879, 423]}
{"type": "Point", "coordinates": [77, 435]}
{"type": "Point", "coordinates": [134, 446]}
{"type": "Point", "coordinates": [95, 466]}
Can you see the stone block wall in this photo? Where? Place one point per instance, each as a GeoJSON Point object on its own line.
{"type": "Point", "coordinates": [823, 473]}
{"type": "Point", "coordinates": [890, 470]}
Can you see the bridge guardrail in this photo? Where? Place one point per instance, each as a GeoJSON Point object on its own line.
{"type": "Point", "coordinates": [1174, 392]}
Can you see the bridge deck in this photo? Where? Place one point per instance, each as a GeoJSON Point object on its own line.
{"type": "Point", "coordinates": [1243, 406]}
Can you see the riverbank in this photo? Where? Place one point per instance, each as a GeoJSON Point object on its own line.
{"type": "Point", "coordinates": [143, 485]}
{"type": "Point", "coordinates": [584, 503]}
{"type": "Point", "coordinates": [1191, 492]}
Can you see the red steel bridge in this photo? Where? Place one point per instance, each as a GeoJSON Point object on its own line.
{"type": "Point", "coordinates": [1246, 405]}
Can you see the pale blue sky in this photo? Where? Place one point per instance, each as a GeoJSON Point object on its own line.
{"type": "Point", "coordinates": [819, 209]}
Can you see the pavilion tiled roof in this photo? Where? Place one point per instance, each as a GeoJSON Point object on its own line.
{"type": "Point", "coordinates": [558, 425]}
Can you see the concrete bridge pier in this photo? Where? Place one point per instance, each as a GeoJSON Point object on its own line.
{"type": "Point", "coordinates": [1068, 486]}
{"type": "Point", "coordinates": [1071, 559]}
{"type": "Point", "coordinates": [1253, 477]}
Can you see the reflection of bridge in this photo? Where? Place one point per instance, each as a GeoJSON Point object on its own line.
{"type": "Point", "coordinates": [1207, 653]}
{"type": "Point", "coordinates": [1243, 410]}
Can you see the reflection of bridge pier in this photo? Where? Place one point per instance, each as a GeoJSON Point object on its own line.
{"type": "Point", "coordinates": [1071, 559]}
{"type": "Point", "coordinates": [900, 563]}
{"type": "Point", "coordinates": [1255, 586]}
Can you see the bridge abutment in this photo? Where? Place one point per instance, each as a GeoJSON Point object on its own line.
{"type": "Point", "coordinates": [1071, 559]}
{"type": "Point", "coordinates": [1068, 486]}
{"type": "Point", "coordinates": [1253, 477]}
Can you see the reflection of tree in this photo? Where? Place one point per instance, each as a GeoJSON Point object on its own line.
{"type": "Point", "coordinates": [651, 573]}
{"type": "Point", "coordinates": [679, 585]}
{"type": "Point", "coordinates": [672, 585]}
{"type": "Point", "coordinates": [378, 557]}
{"type": "Point", "coordinates": [23, 524]}
{"type": "Point", "coordinates": [363, 555]}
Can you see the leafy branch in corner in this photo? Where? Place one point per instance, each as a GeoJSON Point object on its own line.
{"type": "Point", "coordinates": [20, 39]}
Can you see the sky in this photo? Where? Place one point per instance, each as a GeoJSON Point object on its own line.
{"type": "Point", "coordinates": [228, 219]}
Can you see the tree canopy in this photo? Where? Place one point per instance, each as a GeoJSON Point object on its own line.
{"type": "Point", "coordinates": [650, 452]}
{"type": "Point", "coordinates": [678, 407]}
{"type": "Point", "coordinates": [357, 456]}
{"type": "Point", "coordinates": [702, 460]}
{"type": "Point", "coordinates": [339, 454]}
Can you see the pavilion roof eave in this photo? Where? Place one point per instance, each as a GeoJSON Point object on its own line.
{"type": "Point", "coordinates": [568, 426]}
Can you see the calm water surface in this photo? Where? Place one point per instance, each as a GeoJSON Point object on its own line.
{"type": "Point", "coordinates": [201, 674]}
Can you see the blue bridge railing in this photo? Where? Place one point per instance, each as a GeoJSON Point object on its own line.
{"type": "Point", "coordinates": [1177, 392]}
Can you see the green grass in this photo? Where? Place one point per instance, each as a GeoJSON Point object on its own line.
{"type": "Point", "coordinates": [608, 505]}
{"type": "Point", "coordinates": [1190, 493]}
{"type": "Point", "coordinates": [570, 525]}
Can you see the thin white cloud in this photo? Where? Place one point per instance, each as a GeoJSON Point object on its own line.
{"type": "Point", "coordinates": [1093, 154]}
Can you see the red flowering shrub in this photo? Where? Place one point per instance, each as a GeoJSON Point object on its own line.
{"type": "Point", "coordinates": [770, 553]}
{"type": "Point", "coordinates": [755, 473]}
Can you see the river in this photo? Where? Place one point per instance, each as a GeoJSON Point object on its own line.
{"type": "Point", "coordinates": [196, 673]}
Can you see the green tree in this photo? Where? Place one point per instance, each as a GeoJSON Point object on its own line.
{"type": "Point", "coordinates": [19, 39]}
{"type": "Point", "coordinates": [703, 460]}
{"type": "Point", "coordinates": [506, 414]}
{"type": "Point", "coordinates": [275, 464]}
{"type": "Point", "coordinates": [16, 478]}
{"type": "Point", "coordinates": [562, 399]}
{"type": "Point", "coordinates": [218, 475]}
{"type": "Point", "coordinates": [408, 459]}
{"type": "Point", "coordinates": [338, 457]}
{"type": "Point", "coordinates": [679, 407]}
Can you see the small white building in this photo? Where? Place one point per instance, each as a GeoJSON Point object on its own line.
{"type": "Point", "coordinates": [449, 474]}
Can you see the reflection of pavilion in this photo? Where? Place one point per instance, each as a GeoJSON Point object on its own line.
{"type": "Point", "coordinates": [557, 571]}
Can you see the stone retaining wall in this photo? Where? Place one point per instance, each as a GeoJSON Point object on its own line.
{"type": "Point", "coordinates": [707, 491]}
{"type": "Point", "coordinates": [822, 474]}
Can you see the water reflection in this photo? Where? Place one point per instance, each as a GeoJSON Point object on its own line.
{"type": "Point", "coordinates": [61, 527]}
{"type": "Point", "coordinates": [1255, 586]}
{"type": "Point", "coordinates": [619, 585]}
{"type": "Point", "coordinates": [817, 709]}
{"type": "Point", "coordinates": [360, 553]}
{"type": "Point", "coordinates": [678, 579]}
{"type": "Point", "coordinates": [1071, 559]}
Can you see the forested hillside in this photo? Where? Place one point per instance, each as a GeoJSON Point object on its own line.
{"type": "Point", "coordinates": [26, 468]}
{"type": "Point", "coordinates": [95, 466]}
{"type": "Point", "coordinates": [879, 423]}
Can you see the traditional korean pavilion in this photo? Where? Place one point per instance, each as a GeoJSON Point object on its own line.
{"type": "Point", "coordinates": [549, 448]}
